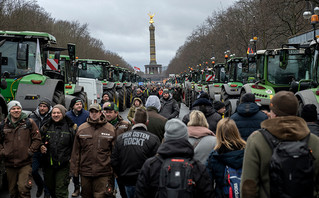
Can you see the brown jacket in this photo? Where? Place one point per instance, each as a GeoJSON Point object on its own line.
{"type": "Point", "coordinates": [121, 126]}
{"type": "Point", "coordinates": [17, 144]}
{"type": "Point", "coordinates": [92, 148]}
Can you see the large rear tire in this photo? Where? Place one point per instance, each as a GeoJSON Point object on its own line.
{"type": "Point", "coordinates": [58, 98]}
{"type": "Point", "coordinates": [129, 97]}
{"type": "Point", "coordinates": [122, 99]}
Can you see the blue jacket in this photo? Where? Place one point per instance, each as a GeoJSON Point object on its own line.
{"type": "Point", "coordinates": [78, 119]}
{"type": "Point", "coordinates": [216, 165]}
{"type": "Point", "coordinates": [248, 118]}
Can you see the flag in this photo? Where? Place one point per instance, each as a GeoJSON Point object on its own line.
{"type": "Point", "coordinates": [137, 68]}
{"type": "Point", "coordinates": [38, 64]}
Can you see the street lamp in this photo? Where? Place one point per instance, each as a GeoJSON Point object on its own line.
{"type": "Point", "coordinates": [313, 16]}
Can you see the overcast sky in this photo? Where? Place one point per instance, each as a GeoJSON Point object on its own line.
{"type": "Point", "coordinates": [122, 25]}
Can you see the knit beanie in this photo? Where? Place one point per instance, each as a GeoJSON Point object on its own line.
{"type": "Point", "coordinates": [13, 103]}
{"type": "Point", "coordinates": [75, 100]}
{"type": "Point", "coordinates": [218, 105]}
{"type": "Point", "coordinates": [247, 97]}
{"type": "Point", "coordinates": [165, 91]}
{"type": "Point", "coordinates": [175, 129]}
{"type": "Point", "coordinates": [153, 101]}
{"type": "Point", "coordinates": [309, 113]}
{"type": "Point", "coordinates": [284, 103]}
{"type": "Point", "coordinates": [46, 102]}
{"type": "Point", "coordinates": [61, 107]}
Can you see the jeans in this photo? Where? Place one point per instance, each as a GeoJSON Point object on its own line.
{"type": "Point", "coordinates": [130, 191]}
{"type": "Point", "coordinates": [36, 163]}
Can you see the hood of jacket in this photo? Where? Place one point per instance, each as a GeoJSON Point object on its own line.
{"type": "Point", "coordinates": [202, 101]}
{"type": "Point", "coordinates": [289, 128]}
{"type": "Point", "coordinates": [153, 101]}
{"type": "Point", "coordinates": [176, 148]}
{"type": "Point", "coordinates": [247, 109]}
{"type": "Point", "coordinates": [233, 158]}
{"type": "Point", "coordinates": [37, 113]}
{"type": "Point", "coordinates": [139, 99]}
{"type": "Point", "coordinates": [96, 123]}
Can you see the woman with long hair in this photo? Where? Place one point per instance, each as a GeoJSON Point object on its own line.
{"type": "Point", "coordinates": [202, 139]}
{"type": "Point", "coordinates": [229, 151]}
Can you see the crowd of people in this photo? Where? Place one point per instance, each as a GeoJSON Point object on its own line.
{"type": "Point", "coordinates": [155, 153]}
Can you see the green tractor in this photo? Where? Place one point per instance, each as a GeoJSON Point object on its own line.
{"type": "Point", "coordinates": [230, 91]}
{"type": "Point", "coordinates": [26, 54]}
{"type": "Point", "coordinates": [280, 69]}
{"type": "Point", "coordinates": [218, 81]}
{"type": "Point", "coordinates": [115, 86]}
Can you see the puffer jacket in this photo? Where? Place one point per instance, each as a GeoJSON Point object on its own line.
{"type": "Point", "coordinates": [216, 165]}
{"type": "Point", "coordinates": [92, 148]}
{"type": "Point", "coordinates": [131, 150]}
{"type": "Point", "coordinates": [255, 175]}
{"type": "Point", "coordinates": [58, 137]}
{"type": "Point", "coordinates": [248, 118]}
{"type": "Point", "coordinates": [211, 115]}
{"type": "Point", "coordinates": [131, 112]}
{"type": "Point", "coordinates": [169, 108]}
{"type": "Point", "coordinates": [19, 141]}
{"type": "Point", "coordinates": [148, 179]}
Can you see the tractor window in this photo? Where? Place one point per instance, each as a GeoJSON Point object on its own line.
{"type": "Point", "coordinates": [297, 68]}
{"type": "Point", "coordinates": [10, 49]}
{"type": "Point", "coordinates": [92, 71]}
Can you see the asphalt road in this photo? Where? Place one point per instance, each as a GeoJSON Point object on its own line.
{"type": "Point", "coordinates": [4, 193]}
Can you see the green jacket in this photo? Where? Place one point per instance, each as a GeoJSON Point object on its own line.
{"type": "Point", "coordinates": [258, 153]}
{"type": "Point", "coordinates": [131, 112]}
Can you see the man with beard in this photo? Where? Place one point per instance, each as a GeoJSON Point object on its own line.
{"type": "Point", "coordinates": [40, 116]}
{"type": "Point", "coordinates": [19, 140]}
{"type": "Point", "coordinates": [169, 106]}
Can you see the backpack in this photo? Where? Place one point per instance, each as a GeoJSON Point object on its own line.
{"type": "Point", "coordinates": [176, 178]}
{"type": "Point", "coordinates": [291, 168]}
{"type": "Point", "coordinates": [232, 182]}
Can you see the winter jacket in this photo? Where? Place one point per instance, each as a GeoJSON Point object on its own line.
{"type": "Point", "coordinates": [131, 150]}
{"type": "Point", "coordinates": [18, 141]}
{"type": "Point", "coordinates": [248, 118]}
{"type": "Point", "coordinates": [156, 122]}
{"type": "Point", "coordinates": [131, 112]}
{"type": "Point", "coordinates": [140, 96]}
{"type": "Point", "coordinates": [314, 128]}
{"type": "Point", "coordinates": [177, 94]}
{"type": "Point", "coordinates": [211, 115]}
{"type": "Point", "coordinates": [38, 119]}
{"type": "Point", "coordinates": [169, 108]}
{"type": "Point", "coordinates": [58, 139]}
{"type": "Point", "coordinates": [120, 125]}
{"type": "Point", "coordinates": [92, 148]}
{"type": "Point", "coordinates": [80, 118]}
{"type": "Point", "coordinates": [148, 179]}
{"type": "Point", "coordinates": [216, 165]}
{"type": "Point", "coordinates": [255, 175]}
{"type": "Point", "coordinates": [205, 141]}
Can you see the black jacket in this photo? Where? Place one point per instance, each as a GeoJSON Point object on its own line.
{"type": "Point", "coordinates": [58, 138]}
{"type": "Point", "coordinates": [207, 108]}
{"type": "Point", "coordinates": [169, 108]}
{"type": "Point", "coordinates": [148, 180]}
{"type": "Point", "coordinates": [131, 150]}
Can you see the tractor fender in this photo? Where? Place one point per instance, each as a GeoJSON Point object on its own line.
{"type": "Point", "coordinates": [109, 85]}
{"type": "Point", "coordinates": [233, 103]}
{"type": "Point", "coordinates": [231, 93]}
{"type": "Point", "coordinates": [247, 88]}
{"type": "Point", "coordinates": [78, 89]}
{"type": "Point", "coordinates": [26, 91]}
{"type": "Point", "coordinates": [68, 99]}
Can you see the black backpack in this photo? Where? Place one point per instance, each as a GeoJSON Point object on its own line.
{"type": "Point", "coordinates": [291, 168]}
{"type": "Point", "coordinates": [176, 178]}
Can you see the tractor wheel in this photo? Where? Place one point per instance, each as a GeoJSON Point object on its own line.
{"type": "Point", "coordinates": [224, 95]}
{"type": "Point", "coordinates": [122, 100]}
{"type": "Point", "coordinates": [300, 106]}
{"type": "Point", "coordinates": [129, 96]}
{"type": "Point", "coordinates": [228, 108]}
{"type": "Point", "coordinates": [84, 98]}
{"type": "Point", "coordinates": [187, 98]}
{"type": "Point", "coordinates": [58, 98]}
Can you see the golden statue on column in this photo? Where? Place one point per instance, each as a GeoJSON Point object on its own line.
{"type": "Point", "coordinates": [151, 18]}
